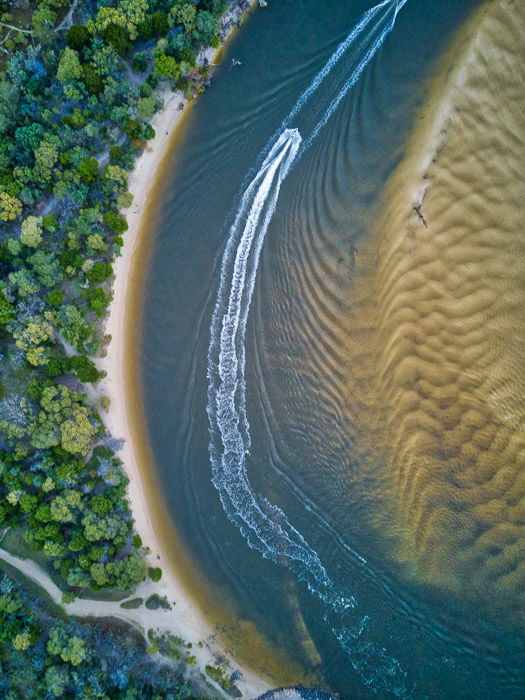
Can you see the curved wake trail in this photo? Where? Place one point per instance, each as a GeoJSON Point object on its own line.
{"type": "Point", "coordinates": [264, 525]}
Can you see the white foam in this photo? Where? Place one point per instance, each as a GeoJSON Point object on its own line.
{"type": "Point", "coordinates": [264, 525]}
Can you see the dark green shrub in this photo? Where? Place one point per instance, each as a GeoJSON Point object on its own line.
{"type": "Point", "coordinates": [116, 36]}
{"type": "Point", "coordinates": [77, 37]}
{"type": "Point", "coordinates": [92, 79]}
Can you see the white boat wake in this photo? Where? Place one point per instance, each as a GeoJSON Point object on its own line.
{"type": "Point", "coordinates": [265, 526]}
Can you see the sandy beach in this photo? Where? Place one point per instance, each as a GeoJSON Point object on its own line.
{"type": "Point", "coordinates": [184, 620]}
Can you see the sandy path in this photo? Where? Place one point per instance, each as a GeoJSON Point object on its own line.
{"type": "Point", "coordinates": [163, 620]}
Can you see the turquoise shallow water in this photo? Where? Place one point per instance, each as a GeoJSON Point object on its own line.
{"type": "Point", "coordinates": [386, 637]}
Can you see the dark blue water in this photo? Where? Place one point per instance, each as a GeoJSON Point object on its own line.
{"type": "Point", "coordinates": [378, 635]}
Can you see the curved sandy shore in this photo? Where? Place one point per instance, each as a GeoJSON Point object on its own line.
{"type": "Point", "coordinates": [184, 620]}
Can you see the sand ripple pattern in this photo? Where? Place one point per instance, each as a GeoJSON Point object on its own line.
{"type": "Point", "coordinates": [445, 283]}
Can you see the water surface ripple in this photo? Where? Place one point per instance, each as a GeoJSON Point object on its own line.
{"type": "Point", "coordinates": [307, 481]}
{"type": "Point", "coordinates": [265, 525]}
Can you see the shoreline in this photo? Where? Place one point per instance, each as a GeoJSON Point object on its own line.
{"type": "Point", "coordinates": [184, 620]}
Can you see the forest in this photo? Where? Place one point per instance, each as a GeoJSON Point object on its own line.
{"type": "Point", "coordinates": [79, 84]}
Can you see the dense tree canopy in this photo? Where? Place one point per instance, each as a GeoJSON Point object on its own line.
{"type": "Point", "coordinates": [77, 90]}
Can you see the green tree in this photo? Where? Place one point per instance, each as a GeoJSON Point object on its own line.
{"type": "Point", "coordinates": [88, 169]}
{"type": "Point", "coordinates": [185, 14]}
{"type": "Point", "coordinates": [128, 15]}
{"type": "Point", "coordinates": [146, 107]}
{"type": "Point", "coordinates": [118, 38]}
{"type": "Point", "coordinates": [206, 27]}
{"type": "Point", "coordinates": [46, 156]}
{"type": "Point", "coordinates": [16, 416]}
{"type": "Point", "coordinates": [69, 67]}
{"type": "Point", "coordinates": [84, 369]}
{"type": "Point", "coordinates": [31, 232]}
{"type": "Point", "coordinates": [46, 267]}
{"type": "Point", "coordinates": [22, 641]}
{"type": "Point", "coordinates": [78, 37]}
{"type": "Point", "coordinates": [50, 223]}
{"type": "Point", "coordinates": [117, 177]}
{"type": "Point", "coordinates": [99, 272]}
{"type": "Point", "coordinates": [43, 20]}
{"type": "Point", "coordinates": [57, 680]}
{"type": "Point", "coordinates": [54, 298]}
{"type": "Point", "coordinates": [92, 79]}
{"type": "Point", "coordinates": [32, 337]}
{"type": "Point", "coordinates": [77, 432]}
{"type": "Point", "coordinates": [25, 282]}
{"type": "Point", "coordinates": [165, 66]}
{"type": "Point", "coordinates": [70, 649]}
{"type": "Point", "coordinates": [7, 310]}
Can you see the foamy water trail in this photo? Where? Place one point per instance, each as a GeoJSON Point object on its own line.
{"type": "Point", "coordinates": [264, 525]}
{"type": "Point", "coordinates": [354, 77]}
{"type": "Point", "coordinates": [340, 51]}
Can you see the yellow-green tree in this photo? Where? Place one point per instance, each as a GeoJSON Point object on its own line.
{"type": "Point", "coordinates": [31, 231]}
{"type": "Point", "coordinates": [77, 431]}
{"type": "Point", "coordinates": [10, 207]}
{"type": "Point", "coordinates": [128, 15]}
{"type": "Point", "coordinates": [31, 338]}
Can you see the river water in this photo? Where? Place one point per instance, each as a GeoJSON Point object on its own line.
{"type": "Point", "coordinates": [256, 234]}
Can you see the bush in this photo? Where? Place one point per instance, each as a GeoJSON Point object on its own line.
{"type": "Point", "coordinates": [160, 23]}
{"type": "Point", "coordinates": [56, 367]}
{"type": "Point", "coordinates": [115, 154]}
{"type": "Point", "coordinates": [155, 573]}
{"type": "Point", "coordinates": [146, 90]}
{"type": "Point", "coordinates": [148, 132]}
{"type": "Point", "coordinates": [133, 129]}
{"type": "Point", "coordinates": [98, 300]}
{"type": "Point", "coordinates": [132, 604]}
{"type": "Point", "coordinates": [217, 673]}
{"type": "Point", "coordinates": [154, 602]}
{"type": "Point", "coordinates": [183, 84]}
{"type": "Point", "coordinates": [187, 55]}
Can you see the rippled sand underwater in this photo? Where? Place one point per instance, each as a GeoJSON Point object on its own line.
{"type": "Point", "coordinates": [436, 340]}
